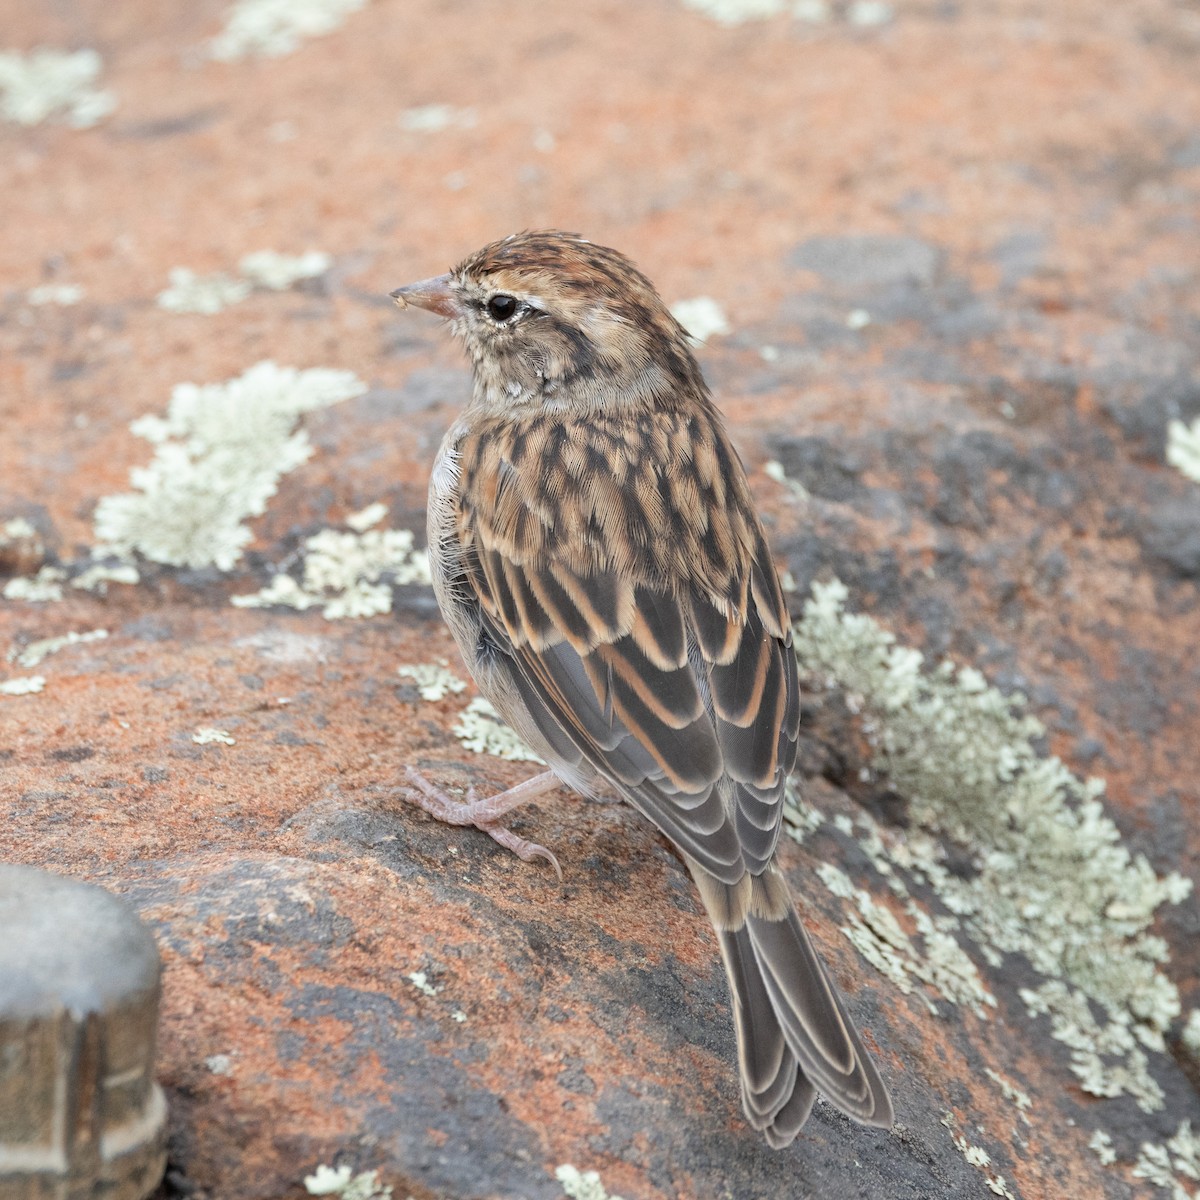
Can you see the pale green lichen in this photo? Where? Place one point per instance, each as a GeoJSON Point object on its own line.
{"type": "Point", "coordinates": [1189, 1039]}
{"type": "Point", "coordinates": [773, 469]}
{"type": "Point", "coordinates": [1052, 880]}
{"type": "Point", "coordinates": [209, 294]}
{"type": "Point", "coordinates": [219, 455]}
{"type": "Point", "coordinates": [1014, 1095]}
{"type": "Point", "coordinates": [1183, 448]}
{"type": "Point", "coordinates": [344, 574]}
{"type": "Point", "coordinates": [210, 737]}
{"type": "Point", "coordinates": [349, 566]}
{"type": "Point", "coordinates": [735, 12]}
{"type": "Point", "coordinates": [434, 681]}
{"type": "Point", "coordinates": [273, 28]}
{"type": "Point", "coordinates": [814, 12]}
{"type": "Point", "coordinates": [1105, 1056]}
{"type": "Point", "coordinates": [433, 118]}
{"type": "Point", "coordinates": [96, 578]}
{"type": "Point", "coordinates": [343, 1183]}
{"type": "Point", "coordinates": [17, 529]}
{"type": "Point", "coordinates": [61, 294]}
{"type": "Point", "coordinates": [881, 940]}
{"type": "Point", "coordinates": [702, 317]}
{"type": "Point", "coordinates": [867, 13]}
{"type": "Point", "coordinates": [53, 83]}
{"type": "Point", "coordinates": [799, 817]}
{"type": "Point", "coordinates": [581, 1185]}
{"type": "Point", "coordinates": [481, 730]}
{"type": "Point", "coordinates": [43, 588]}
{"type": "Point", "coordinates": [282, 592]}
{"type": "Point", "coordinates": [979, 1158]}
{"type": "Point", "coordinates": [1101, 1145]}
{"type": "Point", "coordinates": [23, 685]}
{"type": "Point", "coordinates": [1166, 1165]}
{"type": "Point", "coordinates": [278, 272]}
{"type": "Point", "coordinates": [266, 270]}
{"type": "Point", "coordinates": [35, 652]}
{"type": "Point", "coordinates": [362, 520]}
{"type": "Point", "coordinates": [420, 981]}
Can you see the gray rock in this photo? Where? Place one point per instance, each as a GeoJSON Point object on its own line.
{"type": "Point", "coordinates": [868, 260]}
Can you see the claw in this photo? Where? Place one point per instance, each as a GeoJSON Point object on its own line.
{"type": "Point", "coordinates": [485, 813]}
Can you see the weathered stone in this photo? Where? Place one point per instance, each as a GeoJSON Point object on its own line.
{"type": "Point", "coordinates": [958, 253]}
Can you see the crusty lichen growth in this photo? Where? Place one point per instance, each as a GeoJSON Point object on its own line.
{"type": "Point", "coordinates": [53, 83]}
{"type": "Point", "coordinates": [433, 118]}
{"type": "Point", "coordinates": [978, 1158]}
{"type": "Point", "coordinates": [1105, 1055]}
{"type": "Point", "coordinates": [277, 272]}
{"type": "Point", "coordinates": [98, 576]}
{"type": "Point", "coordinates": [348, 574]}
{"type": "Point", "coordinates": [266, 270]}
{"type": "Point", "coordinates": [43, 588]}
{"type": "Point", "coordinates": [1167, 1165]}
{"type": "Point", "coordinates": [208, 294]}
{"type": "Point", "coordinates": [773, 469]}
{"type": "Point", "coordinates": [35, 652]}
{"type": "Point", "coordinates": [213, 737]}
{"type": "Point", "coordinates": [702, 317]}
{"type": "Point", "coordinates": [61, 294]}
{"type": "Point", "coordinates": [1014, 1095]}
{"type": "Point", "coordinates": [481, 730]}
{"type": "Point", "coordinates": [1052, 881]}
{"type": "Point", "coordinates": [434, 681]}
{"type": "Point", "coordinates": [581, 1185]}
{"type": "Point", "coordinates": [273, 28]}
{"type": "Point", "coordinates": [22, 685]}
{"type": "Point", "coordinates": [343, 1183]}
{"type": "Point", "coordinates": [1183, 448]}
{"type": "Point", "coordinates": [1190, 1038]}
{"type": "Point", "coordinates": [735, 12]}
{"type": "Point", "coordinates": [878, 936]}
{"type": "Point", "coordinates": [219, 455]}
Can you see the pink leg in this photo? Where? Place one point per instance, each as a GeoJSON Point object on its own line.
{"type": "Point", "coordinates": [485, 813]}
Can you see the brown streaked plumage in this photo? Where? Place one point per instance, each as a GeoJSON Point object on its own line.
{"type": "Point", "coordinates": [597, 555]}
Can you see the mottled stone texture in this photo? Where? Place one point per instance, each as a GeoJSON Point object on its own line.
{"type": "Point", "coordinates": [960, 255]}
{"type": "Point", "coordinates": [81, 1117]}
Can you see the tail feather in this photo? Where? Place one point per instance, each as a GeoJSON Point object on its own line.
{"type": "Point", "coordinates": [768, 1067]}
{"type": "Point", "coordinates": [815, 1024]}
{"type": "Point", "coordinates": [787, 1122]}
{"type": "Point", "coordinates": [794, 1036]}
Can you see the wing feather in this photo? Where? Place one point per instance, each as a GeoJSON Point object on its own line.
{"type": "Point", "coordinates": [642, 619]}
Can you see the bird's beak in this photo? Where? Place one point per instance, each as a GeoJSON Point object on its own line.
{"type": "Point", "coordinates": [434, 294]}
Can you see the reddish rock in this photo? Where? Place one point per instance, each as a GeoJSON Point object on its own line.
{"type": "Point", "coordinates": [1009, 194]}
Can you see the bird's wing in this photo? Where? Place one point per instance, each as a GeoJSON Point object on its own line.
{"type": "Point", "coordinates": [627, 582]}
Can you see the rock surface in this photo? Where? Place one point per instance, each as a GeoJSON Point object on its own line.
{"type": "Point", "coordinates": [959, 252]}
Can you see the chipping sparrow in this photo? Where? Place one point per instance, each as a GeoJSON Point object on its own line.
{"type": "Point", "coordinates": [597, 555]}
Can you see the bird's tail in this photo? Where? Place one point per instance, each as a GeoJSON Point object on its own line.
{"type": "Point", "coordinates": [794, 1038]}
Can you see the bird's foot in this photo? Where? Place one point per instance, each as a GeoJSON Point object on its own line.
{"type": "Point", "coordinates": [485, 813]}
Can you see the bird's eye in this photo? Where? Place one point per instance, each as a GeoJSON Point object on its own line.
{"type": "Point", "coordinates": [501, 306]}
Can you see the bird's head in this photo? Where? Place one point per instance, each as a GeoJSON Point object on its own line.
{"type": "Point", "coordinates": [551, 320]}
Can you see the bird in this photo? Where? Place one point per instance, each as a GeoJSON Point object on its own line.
{"type": "Point", "coordinates": [598, 558]}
